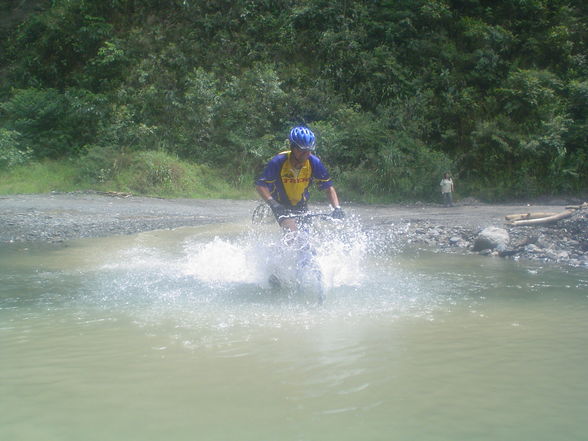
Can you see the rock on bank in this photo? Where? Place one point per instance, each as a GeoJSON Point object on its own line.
{"type": "Point", "coordinates": [564, 242]}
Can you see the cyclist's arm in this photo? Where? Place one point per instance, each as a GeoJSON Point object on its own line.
{"type": "Point", "coordinates": [332, 197]}
{"type": "Point", "coordinates": [263, 192]}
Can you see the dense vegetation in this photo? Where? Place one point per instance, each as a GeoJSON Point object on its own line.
{"type": "Point", "coordinates": [398, 91]}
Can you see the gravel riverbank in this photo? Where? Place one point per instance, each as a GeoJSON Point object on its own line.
{"type": "Point", "coordinates": [59, 217]}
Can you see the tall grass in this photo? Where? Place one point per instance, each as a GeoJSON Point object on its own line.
{"type": "Point", "coordinates": [39, 177]}
{"type": "Point", "coordinates": [148, 173]}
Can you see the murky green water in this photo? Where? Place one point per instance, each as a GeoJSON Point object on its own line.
{"type": "Point", "coordinates": [178, 336]}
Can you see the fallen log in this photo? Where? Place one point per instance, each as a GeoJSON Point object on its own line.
{"type": "Point", "coordinates": [514, 217]}
{"type": "Point", "coordinates": [543, 220]}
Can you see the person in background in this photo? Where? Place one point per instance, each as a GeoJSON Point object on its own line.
{"type": "Point", "coordinates": [284, 183]}
{"type": "Point", "coordinates": [447, 190]}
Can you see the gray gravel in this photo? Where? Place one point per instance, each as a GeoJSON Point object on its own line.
{"type": "Point", "coordinates": [563, 242]}
{"type": "Point", "coordinates": [59, 217]}
{"type": "Point", "coordinates": [62, 216]}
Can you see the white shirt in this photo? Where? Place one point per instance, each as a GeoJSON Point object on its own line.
{"type": "Point", "coordinates": [446, 185]}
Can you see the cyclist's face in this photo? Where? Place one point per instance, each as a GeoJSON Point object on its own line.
{"type": "Point", "coordinates": [300, 155]}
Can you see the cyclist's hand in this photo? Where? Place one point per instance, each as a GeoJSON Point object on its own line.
{"type": "Point", "coordinates": [278, 209]}
{"type": "Point", "coordinates": [338, 213]}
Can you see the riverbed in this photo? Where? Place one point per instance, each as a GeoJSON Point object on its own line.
{"type": "Point", "coordinates": [58, 217]}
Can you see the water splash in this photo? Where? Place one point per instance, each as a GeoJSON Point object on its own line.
{"type": "Point", "coordinates": [208, 278]}
{"type": "Point", "coordinates": [222, 261]}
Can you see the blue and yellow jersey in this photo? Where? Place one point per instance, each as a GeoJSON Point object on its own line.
{"type": "Point", "coordinates": [290, 187]}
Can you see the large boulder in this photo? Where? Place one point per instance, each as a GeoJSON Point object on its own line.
{"type": "Point", "coordinates": [492, 238]}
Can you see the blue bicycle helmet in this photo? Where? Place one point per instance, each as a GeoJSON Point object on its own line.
{"type": "Point", "coordinates": [302, 137]}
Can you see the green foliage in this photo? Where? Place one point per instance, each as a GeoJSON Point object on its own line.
{"type": "Point", "coordinates": [140, 173]}
{"type": "Point", "coordinates": [39, 115]}
{"type": "Point", "coordinates": [351, 137]}
{"type": "Point", "coordinates": [524, 137]}
{"type": "Point", "coordinates": [52, 47]}
{"type": "Point", "coordinates": [371, 161]}
{"type": "Point", "coordinates": [53, 124]}
{"type": "Point", "coordinates": [405, 169]}
{"type": "Point", "coordinates": [397, 91]}
{"type": "Point", "coordinates": [577, 137]}
{"type": "Point", "coordinates": [98, 164]}
{"type": "Point", "coordinates": [10, 150]}
{"type": "Point", "coordinates": [157, 173]}
{"type": "Point", "coordinates": [249, 108]}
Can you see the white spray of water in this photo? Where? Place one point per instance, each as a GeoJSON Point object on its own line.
{"type": "Point", "coordinates": [251, 257]}
{"type": "Point", "coordinates": [254, 256]}
{"type": "Point", "coordinates": [217, 280]}
{"type": "Point", "coordinates": [213, 266]}
{"type": "Point", "coordinates": [221, 261]}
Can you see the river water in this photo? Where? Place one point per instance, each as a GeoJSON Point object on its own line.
{"type": "Point", "coordinates": [177, 335]}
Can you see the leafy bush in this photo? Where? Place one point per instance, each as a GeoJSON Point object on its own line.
{"type": "Point", "coordinates": [10, 154]}
{"type": "Point", "coordinates": [53, 124]}
{"type": "Point", "coordinates": [157, 173]}
{"type": "Point", "coordinates": [38, 115]}
{"type": "Point", "coordinates": [405, 169]}
{"type": "Point", "coordinates": [350, 138]}
{"type": "Point", "coordinates": [100, 164]}
{"type": "Point", "coordinates": [149, 172]}
{"type": "Point", "coordinates": [52, 46]}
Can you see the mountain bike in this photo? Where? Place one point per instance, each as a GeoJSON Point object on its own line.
{"type": "Point", "coordinates": [302, 244]}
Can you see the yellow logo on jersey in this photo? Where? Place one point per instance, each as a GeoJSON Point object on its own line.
{"type": "Point", "coordinates": [295, 185]}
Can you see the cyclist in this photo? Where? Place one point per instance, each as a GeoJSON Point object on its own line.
{"type": "Point", "coordinates": [284, 183]}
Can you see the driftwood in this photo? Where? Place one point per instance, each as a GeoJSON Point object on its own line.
{"type": "Point", "coordinates": [543, 220]}
{"type": "Point", "coordinates": [522, 216]}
